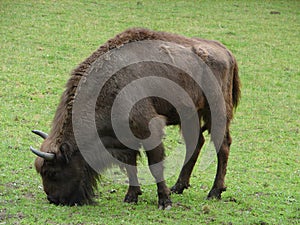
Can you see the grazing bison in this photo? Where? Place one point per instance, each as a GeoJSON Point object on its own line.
{"type": "Point", "coordinates": [67, 177]}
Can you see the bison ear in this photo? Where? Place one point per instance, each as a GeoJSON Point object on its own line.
{"type": "Point", "coordinates": [65, 151]}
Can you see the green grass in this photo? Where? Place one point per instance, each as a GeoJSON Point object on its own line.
{"type": "Point", "coordinates": [42, 41]}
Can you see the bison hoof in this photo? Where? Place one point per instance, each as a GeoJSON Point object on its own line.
{"type": "Point", "coordinates": [131, 198]}
{"type": "Point", "coordinates": [216, 193]}
{"type": "Point", "coordinates": [132, 195]}
{"type": "Point", "coordinates": [164, 201]}
{"type": "Point", "coordinates": [165, 204]}
{"type": "Point", "coordinates": [178, 188]}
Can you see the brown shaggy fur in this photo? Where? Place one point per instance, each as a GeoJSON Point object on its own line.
{"type": "Point", "coordinates": [134, 34]}
{"type": "Point", "coordinates": [70, 180]}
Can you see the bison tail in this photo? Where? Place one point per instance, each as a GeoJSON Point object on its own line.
{"type": "Point", "coordinates": [236, 86]}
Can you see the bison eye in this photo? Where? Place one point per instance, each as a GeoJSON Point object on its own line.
{"type": "Point", "coordinates": [65, 151]}
{"type": "Point", "coordinates": [49, 174]}
{"type": "Point", "coordinates": [52, 174]}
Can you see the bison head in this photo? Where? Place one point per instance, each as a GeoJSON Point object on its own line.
{"type": "Point", "coordinates": [67, 178]}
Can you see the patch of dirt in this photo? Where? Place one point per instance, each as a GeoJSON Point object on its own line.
{"type": "Point", "coordinates": [275, 12]}
{"type": "Point", "coordinates": [11, 185]}
{"type": "Point", "coordinates": [180, 205]}
{"type": "Point", "coordinates": [4, 215]}
{"type": "Point", "coordinates": [29, 196]}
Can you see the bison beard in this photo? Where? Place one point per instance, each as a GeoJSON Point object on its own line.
{"type": "Point", "coordinates": [67, 177]}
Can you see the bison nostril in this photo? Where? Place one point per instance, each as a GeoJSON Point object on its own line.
{"type": "Point", "coordinates": [52, 200]}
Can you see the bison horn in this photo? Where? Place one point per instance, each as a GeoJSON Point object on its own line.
{"type": "Point", "coordinates": [44, 155]}
{"type": "Point", "coordinates": [40, 133]}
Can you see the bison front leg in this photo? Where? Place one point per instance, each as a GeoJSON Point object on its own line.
{"type": "Point", "coordinates": [134, 189]}
{"type": "Point", "coordinates": [219, 183]}
{"type": "Point", "coordinates": [155, 161]}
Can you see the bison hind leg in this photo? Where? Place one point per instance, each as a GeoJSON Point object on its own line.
{"type": "Point", "coordinates": [219, 183]}
{"type": "Point", "coordinates": [216, 193]}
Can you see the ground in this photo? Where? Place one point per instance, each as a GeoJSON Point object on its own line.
{"type": "Point", "coordinates": [42, 41]}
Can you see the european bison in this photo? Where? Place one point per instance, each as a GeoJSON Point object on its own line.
{"type": "Point", "coordinates": [67, 177]}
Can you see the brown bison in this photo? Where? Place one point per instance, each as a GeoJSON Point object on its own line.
{"type": "Point", "coordinates": [68, 179]}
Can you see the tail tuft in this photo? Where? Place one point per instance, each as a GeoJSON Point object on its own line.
{"type": "Point", "coordinates": [236, 86]}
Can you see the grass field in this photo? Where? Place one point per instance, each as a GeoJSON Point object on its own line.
{"type": "Point", "coordinates": [42, 41]}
